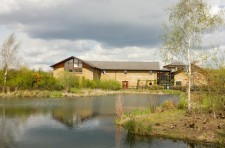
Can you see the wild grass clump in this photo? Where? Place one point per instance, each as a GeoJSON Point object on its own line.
{"type": "Point", "coordinates": [130, 126]}
{"type": "Point", "coordinates": [134, 126]}
{"type": "Point", "coordinates": [137, 112]}
{"type": "Point", "coordinates": [153, 103]}
{"type": "Point", "coordinates": [168, 105]}
{"type": "Point", "coordinates": [182, 104]}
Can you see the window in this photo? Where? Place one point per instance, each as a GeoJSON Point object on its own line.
{"type": "Point", "coordinates": [178, 83]}
{"type": "Point", "coordinates": [125, 71]}
{"type": "Point", "coordinates": [73, 65]}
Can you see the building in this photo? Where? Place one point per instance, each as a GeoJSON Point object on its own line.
{"type": "Point", "coordinates": [179, 76]}
{"type": "Point", "coordinates": [130, 74]}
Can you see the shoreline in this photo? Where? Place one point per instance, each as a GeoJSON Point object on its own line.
{"type": "Point", "coordinates": [177, 124]}
{"type": "Point", "coordinates": [80, 93]}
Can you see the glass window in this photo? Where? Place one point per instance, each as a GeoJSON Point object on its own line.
{"type": "Point", "coordinates": [73, 65]}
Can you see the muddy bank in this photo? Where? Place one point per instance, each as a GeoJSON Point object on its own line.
{"type": "Point", "coordinates": [178, 124]}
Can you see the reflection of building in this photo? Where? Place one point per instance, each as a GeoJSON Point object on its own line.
{"type": "Point", "coordinates": [130, 74]}
{"type": "Point", "coordinates": [71, 118]}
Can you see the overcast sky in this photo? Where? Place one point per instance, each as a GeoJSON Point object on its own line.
{"type": "Point", "coordinates": [128, 30]}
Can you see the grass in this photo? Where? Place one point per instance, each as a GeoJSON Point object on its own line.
{"type": "Point", "coordinates": [175, 124]}
{"type": "Point", "coordinates": [77, 92]}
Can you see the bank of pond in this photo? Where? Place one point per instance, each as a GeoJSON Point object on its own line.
{"type": "Point", "coordinates": [80, 122]}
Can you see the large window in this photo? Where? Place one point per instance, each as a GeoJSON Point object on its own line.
{"type": "Point", "coordinates": [73, 65]}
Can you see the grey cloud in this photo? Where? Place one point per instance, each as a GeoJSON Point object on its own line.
{"type": "Point", "coordinates": [116, 23]}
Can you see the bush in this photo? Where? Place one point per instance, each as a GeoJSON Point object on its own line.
{"type": "Point", "coordinates": [182, 88]}
{"type": "Point", "coordinates": [156, 87]}
{"type": "Point", "coordinates": [26, 79]}
{"type": "Point", "coordinates": [69, 80]}
{"type": "Point", "coordinates": [109, 85]}
{"type": "Point", "coordinates": [168, 105]}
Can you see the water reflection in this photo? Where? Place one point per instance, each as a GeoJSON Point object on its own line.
{"type": "Point", "coordinates": [78, 122]}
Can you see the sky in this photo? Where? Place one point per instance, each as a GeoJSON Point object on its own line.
{"type": "Point", "coordinates": [113, 30]}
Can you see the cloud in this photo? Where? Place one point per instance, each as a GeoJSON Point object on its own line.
{"type": "Point", "coordinates": [127, 30]}
{"type": "Point", "coordinates": [112, 22]}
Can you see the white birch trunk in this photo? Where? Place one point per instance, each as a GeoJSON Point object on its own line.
{"type": "Point", "coordinates": [189, 75]}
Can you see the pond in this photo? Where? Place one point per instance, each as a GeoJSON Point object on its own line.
{"type": "Point", "coordinates": [85, 122]}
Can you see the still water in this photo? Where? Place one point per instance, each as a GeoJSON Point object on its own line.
{"type": "Point", "coordinates": [85, 122]}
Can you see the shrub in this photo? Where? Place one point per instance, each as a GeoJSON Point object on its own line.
{"type": "Point", "coordinates": [168, 105]}
{"type": "Point", "coordinates": [69, 80]}
{"type": "Point", "coordinates": [109, 85]}
{"type": "Point", "coordinates": [156, 87]}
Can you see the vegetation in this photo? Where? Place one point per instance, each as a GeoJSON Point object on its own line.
{"type": "Point", "coordinates": [72, 82]}
{"type": "Point", "coordinates": [24, 82]}
{"type": "Point", "coordinates": [188, 21]}
{"type": "Point", "coordinates": [8, 55]}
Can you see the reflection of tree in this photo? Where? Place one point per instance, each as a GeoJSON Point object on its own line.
{"type": "Point", "coordinates": [118, 136]}
{"type": "Point", "coordinates": [11, 118]}
{"type": "Point", "coordinates": [7, 139]}
{"type": "Point", "coordinates": [130, 139]}
{"type": "Point", "coordinates": [133, 140]}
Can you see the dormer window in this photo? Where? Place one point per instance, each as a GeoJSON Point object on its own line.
{"type": "Point", "coordinates": [73, 65]}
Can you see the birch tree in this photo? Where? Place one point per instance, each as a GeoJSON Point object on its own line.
{"type": "Point", "coordinates": [189, 21]}
{"type": "Point", "coordinates": [8, 55]}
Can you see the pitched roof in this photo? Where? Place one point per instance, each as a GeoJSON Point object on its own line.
{"type": "Point", "coordinates": [175, 64]}
{"type": "Point", "coordinates": [116, 65]}
{"type": "Point", "coordinates": [112, 65]}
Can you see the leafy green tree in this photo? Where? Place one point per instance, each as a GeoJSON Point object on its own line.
{"type": "Point", "coordinates": [189, 20]}
{"type": "Point", "coordinates": [8, 55]}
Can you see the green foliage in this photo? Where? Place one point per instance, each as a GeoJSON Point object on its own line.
{"type": "Point", "coordinates": [24, 78]}
{"type": "Point", "coordinates": [188, 21]}
{"type": "Point", "coordinates": [69, 80]}
{"type": "Point", "coordinates": [156, 87]}
{"type": "Point", "coordinates": [75, 90]}
{"type": "Point", "coordinates": [102, 84]}
{"type": "Point", "coordinates": [109, 85]}
{"type": "Point", "coordinates": [182, 104]}
{"type": "Point", "coordinates": [136, 112]}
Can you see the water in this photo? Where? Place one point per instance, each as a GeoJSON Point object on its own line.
{"type": "Point", "coordinates": [75, 122]}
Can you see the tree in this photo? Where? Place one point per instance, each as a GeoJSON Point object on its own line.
{"type": "Point", "coordinates": [8, 55]}
{"type": "Point", "coordinates": [189, 20]}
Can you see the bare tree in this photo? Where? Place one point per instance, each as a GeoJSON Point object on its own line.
{"type": "Point", "coordinates": [189, 20]}
{"type": "Point", "coordinates": [9, 56]}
